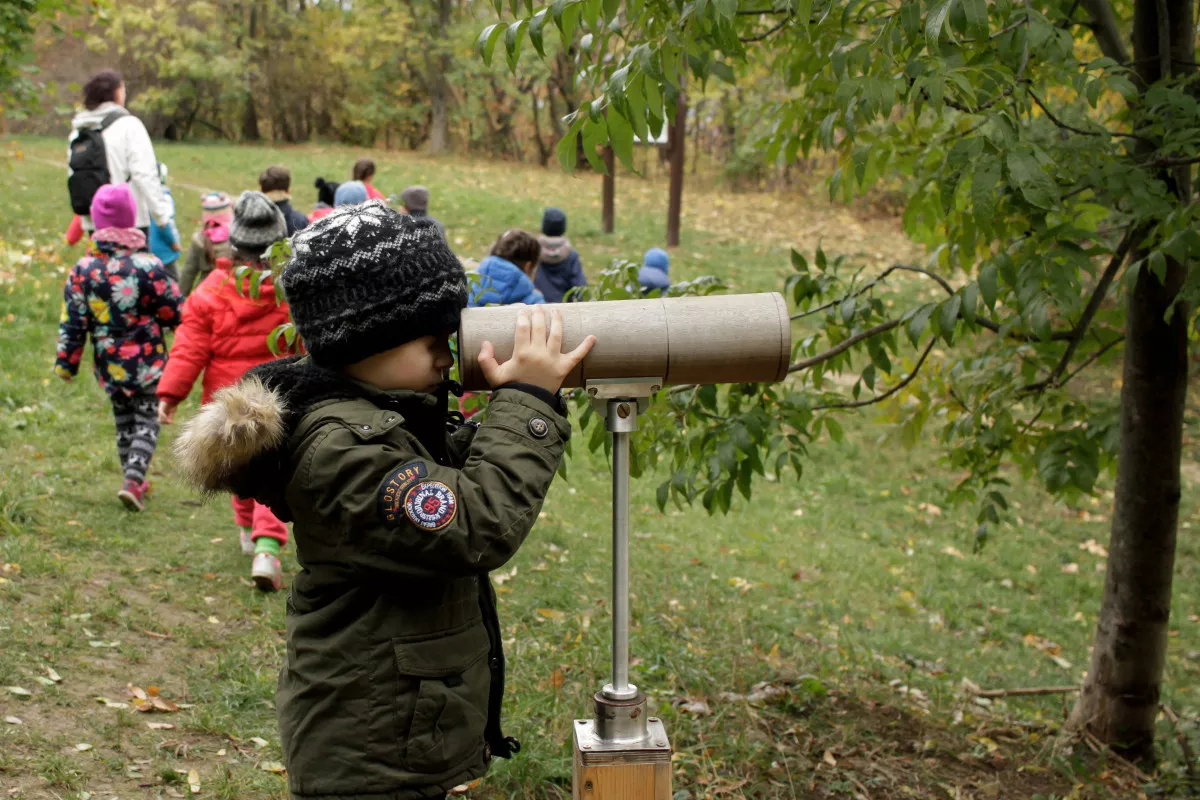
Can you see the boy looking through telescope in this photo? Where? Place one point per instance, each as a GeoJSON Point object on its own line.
{"type": "Point", "coordinates": [394, 675]}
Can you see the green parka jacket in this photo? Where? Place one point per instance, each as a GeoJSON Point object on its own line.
{"type": "Point", "coordinates": [394, 676]}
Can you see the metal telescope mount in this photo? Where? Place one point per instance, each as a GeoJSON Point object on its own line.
{"type": "Point", "coordinates": [620, 725]}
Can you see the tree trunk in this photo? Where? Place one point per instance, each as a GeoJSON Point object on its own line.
{"type": "Point", "coordinates": [608, 191]}
{"type": "Point", "coordinates": [249, 112]}
{"type": "Point", "coordinates": [676, 137]}
{"type": "Point", "coordinates": [438, 129]}
{"type": "Point", "coordinates": [542, 146]}
{"type": "Point", "coordinates": [1120, 696]}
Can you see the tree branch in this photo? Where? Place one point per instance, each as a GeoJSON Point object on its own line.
{"type": "Point", "coordinates": [769, 32]}
{"type": "Point", "coordinates": [1130, 240]}
{"type": "Point", "coordinates": [881, 397]}
{"type": "Point", "coordinates": [1073, 129]}
{"type": "Point", "coordinates": [843, 346]}
{"type": "Point", "coordinates": [1107, 32]}
{"type": "Point", "coordinates": [1087, 362]}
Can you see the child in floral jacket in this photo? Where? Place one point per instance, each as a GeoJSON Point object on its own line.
{"type": "Point", "coordinates": [123, 298]}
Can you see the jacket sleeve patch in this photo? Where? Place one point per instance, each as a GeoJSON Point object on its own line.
{"type": "Point", "coordinates": [430, 505]}
{"type": "Point", "coordinates": [391, 491]}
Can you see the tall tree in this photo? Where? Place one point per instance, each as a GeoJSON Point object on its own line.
{"type": "Point", "coordinates": [1049, 174]}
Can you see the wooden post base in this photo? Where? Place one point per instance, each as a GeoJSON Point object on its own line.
{"type": "Point", "coordinates": [603, 771]}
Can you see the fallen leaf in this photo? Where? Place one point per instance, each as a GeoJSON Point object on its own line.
{"type": "Point", "coordinates": [930, 509]}
{"type": "Point", "coordinates": [829, 759]}
{"type": "Point", "coordinates": [258, 742]}
{"type": "Point", "coordinates": [151, 691]}
{"type": "Point", "coordinates": [83, 747]}
{"type": "Point", "coordinates": [14, 720]}
{"type": "Point", "coordinates": [136, 691]}
{"type": "Point", "coordinates": [688, 705]}
{"type": "Point", "coordinates": [54, 676]}
{"type": "Point", "coordinates": [799, 512]}
{"type": "Point", "coordinates": [551, 613]}
{"type": "Point", "coordinates": [217, 540]}
{"type": "Point", "coordinates": [160, 726]}
{"type": "Point", "coordinates": [1070, 569]}
{"type": "Point", "coordinates": [104, 701]}
{"type": "Point", "coordinates": [221, 752]}
{"type": "Point", "coordinates": [173, 792]}
{"type": "Point", "coordinates": [1095, 548]}
{"type": "Point", "coordinates": [952, 551]}
{"type": "Point", "coordinates": [193, 779]}
{"type": "Point", "coordinates": [18, 691]}
{"type": "Point", "coordinates": [556, 679]}
{"type": "Point", "coordinates": [214, 620]}
{"type": "Point", "coordinates": [162, 704]}
{"type": "Point", "coordinates": [44, 681]}
{"type": "Point", "coordinates": [1060, 661]}
{"type": "Point", "coordinates": [271, 766]}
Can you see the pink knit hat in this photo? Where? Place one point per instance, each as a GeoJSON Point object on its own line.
{"type": "Point", "coordinates": [113, 206]}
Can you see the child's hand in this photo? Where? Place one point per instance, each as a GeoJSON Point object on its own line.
{"type": "Point", "coordinates": [166, 412]}
{"type": "Point", "coordinates": [177, 247]}
{"type": "Point", "coordinates": [537, 353]}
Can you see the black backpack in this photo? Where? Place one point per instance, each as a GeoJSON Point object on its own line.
{"type": "Point", "coordinates": [89, 164]}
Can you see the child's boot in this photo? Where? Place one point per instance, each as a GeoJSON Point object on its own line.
{"type": "Point", "coordinates": [265, 570]}
{"type": "Point", "coordinates": [133, 494]}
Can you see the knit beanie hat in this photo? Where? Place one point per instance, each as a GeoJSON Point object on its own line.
{"type": "Point", "coordinates": [257, 223]}
{"type": "Point", "coordinates": [113, 206]}
{"type": "Point", "coordinates": [325, 191]}
{"type": "Point", "coordinates": [350, 193]}
{"type": "Point", "coordinates": [415, 198]}
{"type": "Point", "coordinates": [657, 258]}
{"type": "Point", "coordinates": [554, 222]}
{"type": "Point", "coordinates": [215, 201]}
{"type": "Point", "coordinates": [365, 279]}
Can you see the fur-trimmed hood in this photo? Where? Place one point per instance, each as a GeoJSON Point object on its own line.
{"type": "Point", "coordinates": [238, 442]}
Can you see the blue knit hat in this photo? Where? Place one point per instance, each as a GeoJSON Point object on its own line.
{"type": "Point", "coordinates": [350, 193]}
{"type": "Point", "coordinates": [554, 222]}
{"type": "Point", "coordinates": [657, 257]}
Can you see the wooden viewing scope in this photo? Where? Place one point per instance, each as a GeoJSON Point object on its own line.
{"type": "Point", "coordinates": [740, 338]}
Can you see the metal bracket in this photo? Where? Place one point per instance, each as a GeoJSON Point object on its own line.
{"type": "Point", "coordinates": [601, 390]}
{"type": "Point", "coordinates": [656, 747]}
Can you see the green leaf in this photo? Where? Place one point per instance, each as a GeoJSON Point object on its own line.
{"type": "Point", "coordinates": [970, 300]}
{"type": "Point", "coordinates": [723, 71]}
{"type": "Point", "coordinates": [662, 495]}
{"type": "Point", "coordinates": [868, 376]}
{"type": "Point", "coordinates": [1039, 320]}
{"type": "Point", "coordinates": [935, 23]}
{"type": "Point", "coordinates": [987, 284]}
{"type": "Point", "coordinates": [595, 135]}
{"type": "Point", "coordinates": [611, 7]}
{"type": "Point", "coordinates": [977, 19]}
{"type": "Point", "coordinates": [835, 429]}
{"type": "Point", "coordinates": [1033, 182]}
{"type": "Point", "coordinates": [983, 191]}
{"type": "Point", "coordinates": [486, 43]}
{"type": "Point", "coordinates": [918, 323]}
{"type": "Point", "coordinates": [948, 317]}
{"type": "Point", "coordinates": [620, 136]}
{"type": "Point", "coordinates": [847, 309]}
{"type": "Point", "coordinates": [799, 262]}
{"type": "Point", "coordinates": [512, 42]}
{"type": "Point", "coordinates": [567, 150]}
{"type": "Point", "coordinates": [536, 33]}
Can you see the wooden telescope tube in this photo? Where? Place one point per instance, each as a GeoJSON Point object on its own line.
{"type": "Point", "coordinates": [740, 338]}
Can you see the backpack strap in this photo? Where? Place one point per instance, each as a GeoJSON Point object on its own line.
{"type": "Point", "coordinates": [111, 117]}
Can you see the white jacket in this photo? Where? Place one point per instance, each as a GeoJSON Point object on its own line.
{"type": "Point", "coordinates": [131, 160]}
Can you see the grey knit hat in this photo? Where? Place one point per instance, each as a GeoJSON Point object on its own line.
{"type": "Point", "coordinates": [257, 223]}
{"type": "Point", "coordinates": [365, 279]}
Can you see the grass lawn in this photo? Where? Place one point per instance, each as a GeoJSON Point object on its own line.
{"type": "Point", "coordinates": [847, 605]}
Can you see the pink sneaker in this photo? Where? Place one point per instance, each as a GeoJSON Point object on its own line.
{"type": "Point", "coordinates": [266, 572]}
{"type": "Point", "coordinates": [133, 494]}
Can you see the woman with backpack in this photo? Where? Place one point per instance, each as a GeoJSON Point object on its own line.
{"type": "Point", "coordinates": [109, 145]}
{"type": "Point", "coordinates": [210, 242]}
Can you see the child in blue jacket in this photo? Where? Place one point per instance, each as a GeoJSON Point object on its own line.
{"type": "Point", "coordinates": [506, 276]}
{"type": "Point", "coordinates": [164, 239]}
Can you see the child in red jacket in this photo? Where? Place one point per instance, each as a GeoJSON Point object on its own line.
{"type": "Point", "coordinates": [224, 333]}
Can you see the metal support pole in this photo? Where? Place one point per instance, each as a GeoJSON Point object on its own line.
{"type": "Point", "coordinates": [621, 420]}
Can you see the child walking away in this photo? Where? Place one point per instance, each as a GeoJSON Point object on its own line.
{"type": "Point", "coordinates": [276, 183]}
{"type": "Point", "coordinates": [164, 239]}
{"type": "Point", "coordinates": [325, 196]}
{"type": "Point", "coordinates": [415, 200]}
{"type": "Point", "coordinates": [224, 333]}
{"type": "Point", "coordinates": [506, 276]}
{"type": "Point", "coordinates": [394, 676]}
{"type": "Point", "coordinates": [560, 269]}
{"type": "Point", "coordinates": [210, 242]}
{"type": "Point", "coordinates": [653, 275]}
{"type": "Point", "coordinates": [364, 170]}
{"type": "Point", "coordinates": [123, 298]}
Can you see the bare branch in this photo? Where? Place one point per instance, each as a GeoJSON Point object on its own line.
{"type": "Point", "coordinates": [1087, 362]}
{"type": "Point", "coordinates": [774, 29]}
{"type": "Point", "coordinates": [1104, 132]}
{"type": "Point", "coordinates": [755, 12]}
{"type": "Point", "coordinates": [843, 346]}
{"type": "Point", "coordinates": [1025, 691]}
{"type": "Point", "coordinates": [1107, 31]}
{"type": "Point", "coordinates": [1130, 240]}
{"type": "Point", "coordinates": [881, 397]}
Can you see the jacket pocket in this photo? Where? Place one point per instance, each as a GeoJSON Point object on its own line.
{"type": "Point", "coordinates": [450, 713]}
